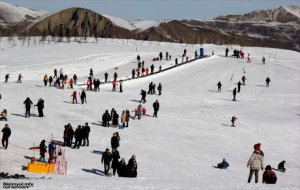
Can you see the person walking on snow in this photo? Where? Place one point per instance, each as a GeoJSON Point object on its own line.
{"type": "Point", "coordinates": [219, 86]}
{"type": "Point", "coordinates": [133, 73]}
{"type": "Point", "coordinates": [19, 78]}
{"type": "Point", "coordinates": [268, 80]}
{"type": "Point", "coordinates": [233, 120]}
{"type": "Point", "coordinates": [6, 134]}
{"type": "Point", "coordinates": [40, 106]}
{"type": "Point", "coordinates": [27, 103]}
{"type": "Point", "coordinates": [239, 86]}
{"type": "Point", "coordinates": [45, 79]}
{"type": "Point", "coordinates": [226, 52]}
{"type": "Point", "coordinates": [83, 96]}
{"type": "Point", "coordinates": [156, 108]}
{"type": "Point", "coordinates": [115, 161]}
{"type": "Point", "coordinates": [244, 80]}
{"type": "Point", "coordinates": [263, 60]}
{"type": "Point", "coordinates": [159, 88]}
{"type": "Point", "coordinates": [256, 162]}
{"type": "Point", "coordinates": [143, 93]}
{"type": "Point", "coordinates": [106, 159]}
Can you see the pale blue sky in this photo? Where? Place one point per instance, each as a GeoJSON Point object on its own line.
{"type": "Point", "coordinates": [158, 9]}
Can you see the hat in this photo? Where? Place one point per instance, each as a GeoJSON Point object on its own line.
{"type": "Point", "coordinates": [257, 146]}
{"type": "Point", "coordinates": [268, 167]}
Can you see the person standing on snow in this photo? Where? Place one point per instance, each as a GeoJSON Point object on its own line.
{"type": "Point", "coordinates": [6, 77]}
{"type": "Point", "coordinates": [105, 77]}
{"type": "Point", "coordinates": [86, 132]}
{"type": "Point", "coordinates": [239, 86]}
{"type": "Point", "coordinates": [143, 93]}
{"type": "Point", "coordinates": [156, 108]}
{"type": "Point", "coordinates": [115, 76]}
{"type": "Point", "coordinates": [121, 85]}
{"type": "Point", "coordinates": [115, 161]}
{"type": "Point", "coordinates": [159, 88]}
{"type": "Point", "coordinates": [19, 78]}
{"type": "Point", "coordinates": [40, 106]}
{"type": "Point", "coordinates": [256, 162]}
{"type": "Point", "coordinates": [234, 94]}
{"type": "Point", "coordinates": [263, 60]}
{"type": "Point", "coordinates": [233, 120]}
{"type": "Point", "coordinates": [133, 73]}
{"type": "Point", "coordinates": [27, 103]}
{"type": "Point", "coordinates": [45, 79]}
{"type": "Point", "coordinates": [55, 73]}
{"type": "Point", "coordinates": [51, 151]}
{"type": "Point", "coordinates": [105, 119]}
{"type": "Point", "coordinates": [6, 134]}
{"type": "Point", "coordinates": [219, 86]}
{"type": "Point", "coordinates": [83, 96]}
{"type": "Point", "coordinates": [226, 52]}
{"type": "Point", "coordinates": [152, 69]}
{"type": "Point", "coordinates": [268, 80]}
{"type": "Point", "coordinates": [248, 59]}
{"type": "Point", "coordinates": [244, 80]}
{"type": "Point", "coordinates": [74, 97]}
{"type": "Point", "coordinates": [127, 118]}
{"type": "Point", "coordinates": [132, 166]}
{"type": "Point", "coordinates": [43, 150]}
{"type": "Point", "coordinates": [78, 137]}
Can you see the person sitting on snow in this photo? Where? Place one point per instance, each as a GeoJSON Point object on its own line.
{"type": "Point", "coordinates": [269, 176]}
{"type": "Point", "coordinates": [223, 165]}
{"type": "Point", "coordinates": [3, 115]}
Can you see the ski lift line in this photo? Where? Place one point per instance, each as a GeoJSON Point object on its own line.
{"type": "Point", "coordinates": [163, 70]}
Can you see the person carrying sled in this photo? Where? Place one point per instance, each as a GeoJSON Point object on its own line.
{"type": "Point", "coordinates": [256, 162]}
{"type": "Point", "coordinates": [5, 136]}
{"type": "Point", "coordinates": [223, 165]}
{"type": "Point", "coordinates": [106, 159]}
{"type": "Point", "coordinates": [27, 103]}
{"type": "Point", "coordinates": [40, 106]}
{"type": "Point", "coordinates": [268, 80]}
{"type": "Point", "coordinates": [219, 86]}
{"type": "Point", "coordinates": [269, 176]}
{"type": "Point", "coordinates": [233, 120]}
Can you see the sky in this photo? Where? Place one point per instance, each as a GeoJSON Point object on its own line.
{"type": "Point", "coordinates": [158, 9]}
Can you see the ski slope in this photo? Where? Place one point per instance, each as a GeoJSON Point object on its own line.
{"type": "Point", "coordinates": [178, 149]}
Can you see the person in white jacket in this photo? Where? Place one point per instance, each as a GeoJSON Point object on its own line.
{"type": "Point", "coordinates": [256, 162]}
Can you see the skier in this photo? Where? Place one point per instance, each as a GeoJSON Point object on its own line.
{"type": "Point", "coordinates": [105, 119]}
{"type": "Point", "coordinates": [6, 77]}
{"type": "Point", "coordinates": [243, 80]}
{"type": "Point", "coordinates": [115, 161]}
{"type": "Point", "coordinates": [105, 77]}
{"type": "Point", "coordinates": [269, 176]}
{"type": "Point", "coordinates": [281, 166]}
{"type": "Point", "coordinates": [45, 79]}
{"type": "Point", "coordinates": [239, 86]}
{"type": "Point", "coordinates": [256, 162]}
{"type": "Point", "coordinates": [27, 103]}
{"type": "Point", "coordinates": [6, 134]}
{"type": "Point", "coordinates": [268, 80]}
{"type": "Point", "coordinates": [132, 166]}
{"type": "Point", "coordinates": [219, 86]}
{"type": "Point", "coordinates": [19, 78]}
{"type": "Point", "coordinates": [226, 52]}
{"type": "Point", "coordinates": [156, 108]}
{"type": "Point", "coordinates": [78, 137]}
{"type": "Point", "coordinates": [234, 94]}
{"type": "Point", "coordinates": [74, 97]}
{"type": "Point", "coordinates": [83, 96]}
{"type": "Point", "coordinates": [223, 165]}
{"type": "Point", "coordinates": [143, 93]}
{"type": "Point", "coordinates": [159, 88]}
{"type": "Point", "coordinates": [86, 132]}
{"type": "Point", "coordinates": [106, 159]}
{"type": "Point", "coordinates": [133, 73]}
{"type": "Point", "coordinates": [152, 69]}
{"type": "Point", "coordinates": [40, 106]}
{"type": "Point", "coordinates": [115, 76]}
{"type": "Point", "coordinates": [43, 150]}
{"type": "Point", "coordinates": [263, 60]}
{"type": "Point", "coordinates": [233, 120]}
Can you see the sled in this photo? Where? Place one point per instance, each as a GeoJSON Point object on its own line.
{"type": "Point", "coordinates": [121, 127]}
{"type": "Point", "coordinates": [34, 148]}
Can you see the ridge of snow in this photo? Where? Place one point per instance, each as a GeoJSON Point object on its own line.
{"type": "Point", "coordinates": [12, 13]}
{"type": "Point", "coordinates": [295, 10]}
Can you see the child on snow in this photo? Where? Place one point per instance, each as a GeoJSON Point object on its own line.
{"type": "Point", "coordinates": [269, 176]}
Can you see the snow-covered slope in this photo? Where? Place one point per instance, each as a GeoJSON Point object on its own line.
{"type": "Point", "coordinates": [12, 14]}
{"type": "Point", "coordinates": [178, 149]}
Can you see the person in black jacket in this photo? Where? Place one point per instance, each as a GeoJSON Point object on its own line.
{"type": "Point", "coordinates": [40, 106]}
{"type": "Point", "coordinates": [122, 168]}
{"type": "Point", "coordinates": [268, 80]}
{"type": "Point", "coordinates": [27, 103]}
{"type": "Point", "coordinates": [106, 159]}
{"type": "Point", "coordinates": [133, 73]}
{"type": "Point", "coordinates": [156, 108]}
{"type": "Point", "coordinates": [6, 134]}
{"type": "Point", "coordinates": [152, 68]}
{"type": "Point", "coordinates": [78, 137]}
{"type": "Point", "coordinates": [83, 96]}
{"type": "Point", "coordinates": [143, 93]}
{"type": "Point", "coordinates": [159, 88]}
{"type": "Point", "coordinates": [234, 94]}
{"type": "Point", "coordinates": [132, 167]}
{"type": "Point", "coordinates": [86, 132]}
{"type": "Point", "coordinates": [115, 76]}
{"type": "Point", "coordinates": [70, 135]}
{"type": "Point", "coordinates": [115, 161]}
{"type": "Point", "coordinates": [281, 166]}
{"type": "Point", "coordinates": [43, 150]}
{"type": "Point", "coordinates": [114, 142]}
{"type": "Point", "coordinates": [239, 86]}
{"type": "Point", "coordinates": [219, 86]}
{"type": "Point", "coordinates": [105, 119]}
{"type": "Point", "coordinates": [115, 119]}
{"type": "Point", "coordinates": [105, 77]}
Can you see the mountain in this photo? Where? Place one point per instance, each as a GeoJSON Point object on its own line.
{"type": "Point", "coordinates": [278, 27]}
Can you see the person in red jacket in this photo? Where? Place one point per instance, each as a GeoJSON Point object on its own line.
{"type": "Point", "coordinates": [147, 71]}
{"type": "Point", "coordinates": [71, 82]}
{"type": "Point", "coordinates": [74, 95]}
{"type": "Point", "coordinates": [269, 176]}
